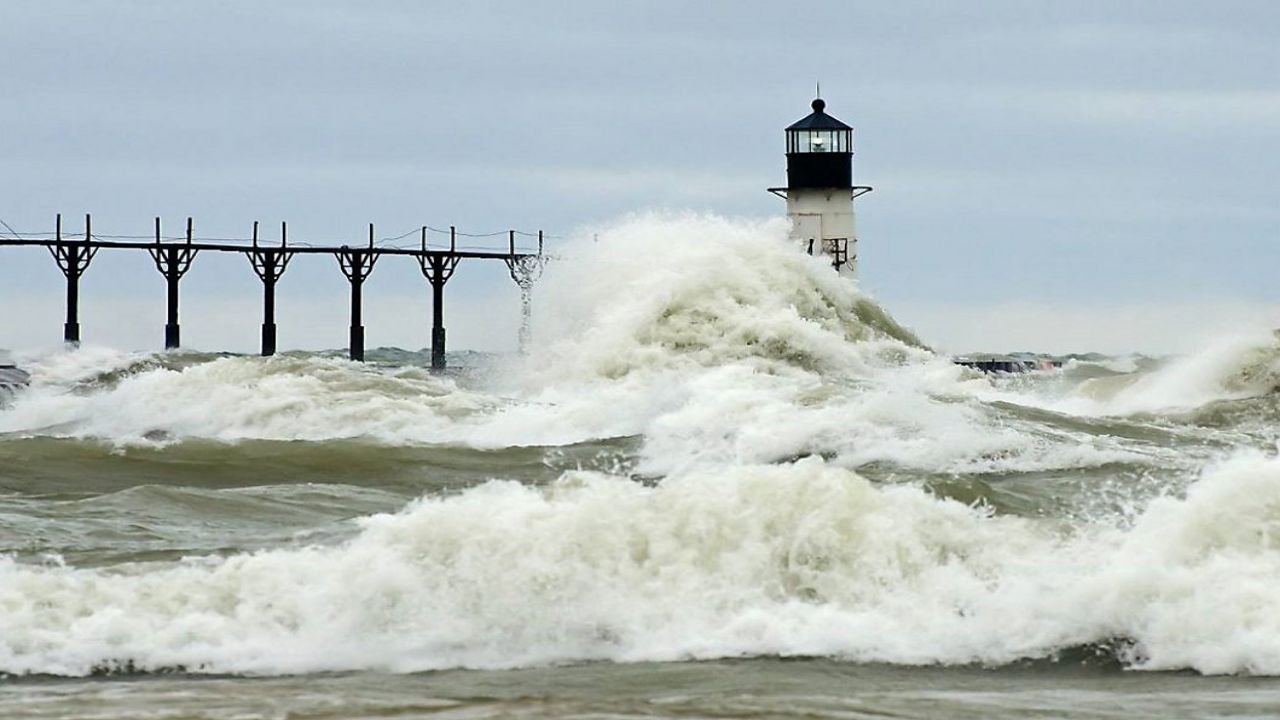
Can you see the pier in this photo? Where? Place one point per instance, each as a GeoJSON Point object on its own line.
{"type": "Point", "coordinates": [173, 257]}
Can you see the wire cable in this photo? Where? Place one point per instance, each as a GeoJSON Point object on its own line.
{"type": "Point", "coordinates": [11, 230]}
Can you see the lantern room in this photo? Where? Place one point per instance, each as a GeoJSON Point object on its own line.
{"type": "Point", "coordinates": [819, 151]}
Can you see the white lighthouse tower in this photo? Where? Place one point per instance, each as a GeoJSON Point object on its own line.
{"type": "Point", "coordinates": [820, 189]}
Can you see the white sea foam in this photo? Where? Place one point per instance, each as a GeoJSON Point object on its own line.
{"type": "Point", "coordinates": [795, 559]}
{"type": "Point", "coordinates": [1234, 367]}
{"type": "Point", "coordinates": [228, 399]}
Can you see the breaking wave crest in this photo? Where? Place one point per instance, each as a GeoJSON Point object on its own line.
{"type": "Point", "coordinates": [1233, 368]}
{"type": "Point", "coordinates": [797, 559]}
{"type": "Point", "coordinates": [654, 293]}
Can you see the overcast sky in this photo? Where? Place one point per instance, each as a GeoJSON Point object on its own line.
{"type": "Point", "coordinates": [1049, 175]}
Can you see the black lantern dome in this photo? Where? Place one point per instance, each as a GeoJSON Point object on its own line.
{"type": "Point", "coordinates": [819, 151]}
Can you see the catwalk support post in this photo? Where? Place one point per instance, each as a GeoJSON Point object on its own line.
{"type": "Point", "coordinates": [525, 271]}
{"type": "Point", "coordinates": [437, 267]}
{"type": "Point", "coordinates": [73, 259]}
{"type": "Point", "coordinates": [172, 261]}
{"type": "Point", "coordinates": [269, 264]}
{"type": "Point", "coordinates": [357, 264]}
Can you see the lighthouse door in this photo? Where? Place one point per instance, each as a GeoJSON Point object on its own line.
{"type": "Point", "coordinates": [807, 228]}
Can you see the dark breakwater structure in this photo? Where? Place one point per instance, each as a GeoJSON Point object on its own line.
{"type": "Point", "coordinates": [173, 258]}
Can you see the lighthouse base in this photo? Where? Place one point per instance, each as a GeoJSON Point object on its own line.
{"type": "Point", "coordinates": [822, 223]}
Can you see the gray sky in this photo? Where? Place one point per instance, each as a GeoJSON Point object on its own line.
{"type": "Point", "coordinates": [1056, 175]}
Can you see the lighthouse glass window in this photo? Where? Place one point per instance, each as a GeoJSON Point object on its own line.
{"type": "Point", "coordinates": [819, 141]}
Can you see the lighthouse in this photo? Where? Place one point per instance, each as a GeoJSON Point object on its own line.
{"type": "Point", "coordinates": [820, 190]}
